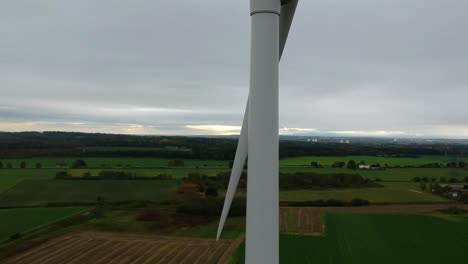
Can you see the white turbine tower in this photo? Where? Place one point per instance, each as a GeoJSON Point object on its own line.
{"type": "Point", "coordinates": [259, 138]}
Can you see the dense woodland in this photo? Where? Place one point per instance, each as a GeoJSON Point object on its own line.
{"type": "Point", "coordinates": [64, 144]}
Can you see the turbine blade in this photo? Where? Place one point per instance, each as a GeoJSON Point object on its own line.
{"type": "Point", "coordinates": [236, 172]}
{"type": "Point", "coordinates": [288, 9]}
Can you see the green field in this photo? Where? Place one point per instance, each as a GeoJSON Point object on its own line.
{"type": "Point", "coordinates": [22, 220]}
{"type": "Point", "coordinates": [298, 161]}
{"type": "Point", "coordinates": [9, 178]}
{"type": "Point", "coordinates": [38, 192]}
{"type": "Point", "coordinates": [362, 239]}
{"type": "Point", "coordinates": [394, 192]}
{"type": "Point", "coordinates": [391, 161]}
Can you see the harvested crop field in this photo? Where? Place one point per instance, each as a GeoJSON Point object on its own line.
{"type": "Point", "coordinates": [97, 247]}
{"type": "Point", "coordinates": [308, 220]}
{"type": "Point", "coordinates": [300, 220]}
{"type": "Point", "coordinates": [388, 209]}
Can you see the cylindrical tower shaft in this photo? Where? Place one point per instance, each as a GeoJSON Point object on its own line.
{"type": "Point", "coordinates": [262, 238]}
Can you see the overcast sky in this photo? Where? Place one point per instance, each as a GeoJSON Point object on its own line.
{"type": "Point", "coordinates": [361, 67]}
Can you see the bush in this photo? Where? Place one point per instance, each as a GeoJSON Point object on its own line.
{"type": "Point", "coordinates": [207, 207]}
{"type": "Point", "coordinates": [422, 186]}
{"type": "Point", "coordinates": [38, 165]}
{"type": "Point", "coordinates": [352, 165]}
{"type": "Point", "coordinates": [453, 180]}
{"type": "Point", "coordinates": [115, 175]}
{"type": "Point", "coordinates": [315, 164]}
{"type": "Point", "coordinates": [16, 236]}
{"type": "Point", "coordinates": [416, 179]}
{"type": "Point", "coordinates": [338, 164]}
{"type": "Point", "coordinates": [23, 165]}
{"type": "Point", "coordinates": [211, 207]}
{"type": "Point", "coordinates": [454, 210]}
{"type": "Point", "coordinates": [78, 164]}
{"type": "Point", "coordinates": [176, 163]}
{"type": "Point", "coordinates": [62, 175]}
{"type": "Point", "coordinates": [211, 191]}
{"type": "Point", "coordinates": [327, 203]}
{"type": "Point", "coordinates": [310, 180]}
{"type": "Point", "coordinates": [359, 202]}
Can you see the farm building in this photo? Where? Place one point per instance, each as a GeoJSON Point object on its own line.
{"type": "Point", "coordinates": [456, 193]}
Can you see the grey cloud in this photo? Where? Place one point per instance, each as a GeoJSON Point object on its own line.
{"type": "Point", "coordinates": [349, 65]}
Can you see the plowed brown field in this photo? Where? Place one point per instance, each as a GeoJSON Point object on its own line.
{"type": "Point", "coordinates": [96, 247]}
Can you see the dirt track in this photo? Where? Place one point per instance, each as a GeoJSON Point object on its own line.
{"type": "Point", "coordinates": [96, 248]}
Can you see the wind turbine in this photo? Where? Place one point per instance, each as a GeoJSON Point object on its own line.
{"type": "Point", "coordinates": [259, 137]}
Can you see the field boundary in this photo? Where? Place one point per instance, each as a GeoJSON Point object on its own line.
{"type": "Point", "coordinates": [225, 258]}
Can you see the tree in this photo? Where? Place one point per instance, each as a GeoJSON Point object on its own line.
{"type": "Point", "coordinates": [9, 166]}
{"type": "Point", "coordinates": [314, 164]}
{"type": "Point", "coordinates": [423, 186]}
{"type": "Point", "coordinates": [437, 189]}
{"type": "Point", "coordinates": [452, 164]}
{"type": "Point", "coordinates": [1, 165]}
{"type": "Point", "coordinates": [466, 179]}
{"type": "Point", "coordinates": [352, 165]}
{"type": "Point", "coordinates": [443, 179]}
{"type": "Point", "coordinates": [78, 164]}
{"type": "Point", "coordinates": [176, 163]}
{"type": "Point", "coordinates": [338, 164]}
{"type": "Point", "coordinates": [211, 191]}
{"type": "Point", "coordinates": [38, 165]}
{"type": "Point", "coordinates": [201, 188]}
{"type": "Point", "coordinates": [362, 162]}
{"type": "Point", "coordinates": [61, 175]}
{"type": "Point", "coordinates": [416, 179]}
{"type": "Point", "coordinates": [23, 164]}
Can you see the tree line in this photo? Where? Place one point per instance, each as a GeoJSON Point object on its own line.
{"type": "Point", "coordinates": [70, 144]}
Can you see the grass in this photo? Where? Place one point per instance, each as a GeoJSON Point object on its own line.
{"type": "Point", "coordinates": [8, 181]}
{"type": "Point", "coordinates": [384, 239]}
{"type": "Point", "coordinates": [14, 221]}
{"type": "Point", "coordinates": [391, 161]}
{"type": "Point", "coordinates": [118, 221]}
{"type": "Point", "coordinates": [355, 238]}
{"type": "Point", "coordinates": [233, 228]}
{"type": "Point", "coordinates": [395, 192]}
{"type": "Point", "coordinates": [37, 192]}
